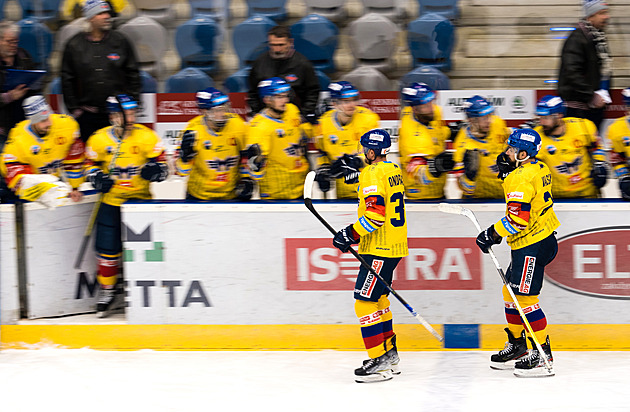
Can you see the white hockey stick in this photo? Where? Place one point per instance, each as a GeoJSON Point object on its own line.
{"type": "Point", "coordinates": [459, 210]}
{"type": "Point", "coordinates": [308, 190]}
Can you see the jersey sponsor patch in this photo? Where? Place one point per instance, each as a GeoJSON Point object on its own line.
{"type": "Point", "coordinates": [370, 189]}
{"type": "Point", "coordinates": [515, 195]}
{"type": "Point", "coordinates": [113, 56]}
{"type": "Point", "coordinates": [528, 274]}
{"type": "Point", "coordinates": [370, 279]}
{"type": "Point", "coordinates": [373, 317]}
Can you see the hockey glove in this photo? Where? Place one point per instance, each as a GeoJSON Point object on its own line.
{"type": "Point", "coordinates": [46, 189]}
{"type": "Point", "coordinates": [322, 177]}
{"type": "Point", "coordinates": [101, 182]}
{"type": "Point", "coordinates": [440, 164]}
{"type": "Point", "coordinates": [504, 165]}
{"type": "Point", "coordinates": [471, 164]}
{"type": "Point", "coordinates": [255, 159]}
{"type": "Point", "coordinates": [624, 186]}
{"type": "Point", "coordinates": [345, 238]}
{"type": "Point", "coordinates": [347, 166]}
{"type": "Point", "coordinates": [244, 189]}
{"type": "Point", "coordinates": [187, 151]}
{"type": "Point", "coordinates": [599, 174]}
{"type": "Point", "coordinates": [487, 238]}
{"type": "Point", "coordinates": [154, 171]}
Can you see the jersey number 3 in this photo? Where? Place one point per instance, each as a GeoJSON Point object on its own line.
{"type": "Point", "coordinates": [399, 209]}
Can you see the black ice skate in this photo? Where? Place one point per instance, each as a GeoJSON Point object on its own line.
{"type": "Point", "coordinates": [110, 299]}
{"type": "Point", "coordinates": [533, 365]}
{"type": "Point", "coordinates": [374, 370]}
{"type": "Point", "coordinates": [515, 349]}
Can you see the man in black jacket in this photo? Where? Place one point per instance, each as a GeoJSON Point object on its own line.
{"type": "Point", "coordinates": [283, 61]}
{"type": "Point", "coordinates": [585, 74]}
{"type": "Point", "coordinates": [96, 64]}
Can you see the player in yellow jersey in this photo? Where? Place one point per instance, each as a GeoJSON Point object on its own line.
{"type": "Point", "coordinates": [123, 160]}
{"type": "Point", "coordinates": [210, 152]}
{"type": "Point", "coordinates": [422, 144]}
{"type": "Point", "coordinates": [572, 149]}
{"type": "Point", "coordinates": [276, 144]}
{"type": "Point", "coordinates": [476, 149]}
{"type": "Point", "coordinates": [337, 138]}
{"type": "Point", "coordinates": [529, 225]}
{"type": "Point", "coordinates": [39, 151]}
{"type": "Point", "coordinates": [381, 232]}
{"type": "Point", "coordinates": [619, 136]}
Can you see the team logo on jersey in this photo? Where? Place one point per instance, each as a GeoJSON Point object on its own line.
{"type": "Point", "coordinates": [294, 150]}
{"type": "Point", "coordinates": [333, 139]}
{"type": "Point", "coordinates": [113, 56]}
{"type": "Point", "coordinates": [569, 168]}
{"type": "Point", "coordinates": [291, 78]}
{"type": "Point", "coordinates": [125, 172]}
{"type": "Point", "coordinates": [551, 149]}
{"type": "Point", "coordinates": [219, 165]}
{"type": "Point", "coordinates": [35, 149]}
{"type": "Point", "coordinates": [626, 140]}
{"type": "Point", "coordinates": [109, 150]}
{"type": "Point", "coordinates": [207, 144]}
{"type": "Point", "coordinates": [281, 132]}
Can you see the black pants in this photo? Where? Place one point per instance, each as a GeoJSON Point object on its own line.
{"type": "Point", "coordinates": [594, 115]}
{"type": "Point", "coordinates": [91, 122]}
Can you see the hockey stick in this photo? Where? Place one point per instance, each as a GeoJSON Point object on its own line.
{"type": "Point", "coordinates": [308, 189]}
{"type": "Point", "coordinates": [459, 210]}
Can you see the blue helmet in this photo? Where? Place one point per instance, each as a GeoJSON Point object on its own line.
{"type": "Point", "coordinates": [273, 86]}
{"type": "Point", "coordinates": [625, 95]}
{"type": "Point", "coordinates": [417, 93]}
{"type": "Point", "coordinates": [211, 97]}
{"type": "Point", "coordinates": [527, 140]}
{"type": "Point", "coordinates": [342, 90]}
{"type": "Point", "coordinates": [377, 140]}
{"type": "Point", "coordinates": [477, 106]}
{"type": "Point", "coordinates": [549, 105]}
{"type": "Point", "coordinates": [127, 102]}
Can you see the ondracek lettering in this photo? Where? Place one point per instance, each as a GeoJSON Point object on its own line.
{"type": "Point", "coordinates": [395, 180]}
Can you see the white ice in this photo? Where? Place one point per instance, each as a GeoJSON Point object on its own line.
{"type": "Point", "coordinates": [85, 380]}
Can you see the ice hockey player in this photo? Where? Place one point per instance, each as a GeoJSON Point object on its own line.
{"type": "Point", "coordinates": [619, 135]}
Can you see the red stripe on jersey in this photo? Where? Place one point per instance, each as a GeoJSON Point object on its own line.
{"type": "Point", "coordinates": [161, 157]}
{"type": "Point", "coordinates": [15, 169]}
{"type": "Point", "coordinates": [415, 163]}
{"type": "Point", "coordinates": [520, 210]}
{"type": "Point", "coordinates": [375, 204]}
{"type": "Point", "coordinates": [76, 150]}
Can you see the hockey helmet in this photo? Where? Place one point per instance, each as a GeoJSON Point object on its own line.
{"type": "Point", "coordinates": [477, 106]}
{"type": "Point", "coordinates": [273, 86]}
{"type": "Point", "coordinates": [120, 102]}
{"type": "Point", "coordinates": [342, 90]}
{"type": "Point", "coordinates": [418, 93]}
{"type": "Point", "coordinates": [527, 140]}
{"type": "Point", "coordinates": [549, 105]}
{"type": "Point", "coordinates": [211, 97]}
{"type": "Point", "coordinates": [625, 95]}
{"type": "Point", "coordinates": [377, 140]}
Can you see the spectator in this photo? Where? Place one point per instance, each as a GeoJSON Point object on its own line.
{"type": "Point", "coordinates": [585, 73]}
{"type": "Point", "coordinates": [619, 137]}
{"type": "Point", "coordinates": [276, 153]}
{"type": "Point", "coordinates": [337, 138]}
{"type": "Point", "coordinates": [476, 149]}
{"type": "Point", "coordinates": [572, 150]}
{"type": "Point", "coordinates": [422, 144]}
{"type": "Point", "coordinates": [211, 148]}
{"type": "Point", "coordinates": [283, 61]}
{"type": "Point", "coordinates": [95, 65]}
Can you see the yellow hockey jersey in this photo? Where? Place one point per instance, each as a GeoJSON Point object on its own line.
{"type": "Point", "coordinates": [214, 171]}
{"type": "Point", "coordinates": [486, 183]}
{"type": "Point", "coordinates": [619, 137]}
{"type": "Point", "coordinates": [334, 140]}
{"type": "Point", "coordinates": [570, 158]}
{"type": "Point", "coordinates": [416, 144]}
{"type": "Point", "coordinates": [382, 220]}
{"type": "Point", "coordinates": [133, 152]}
{"type": "Point", "coordinates": [59, 152]}
{"type": "Point", "coordinates": [283, 145]}
{"type": "Point", "coordinates": [529, 216]}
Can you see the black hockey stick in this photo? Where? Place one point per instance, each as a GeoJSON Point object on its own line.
{"type": "Point", "coordinates": [308, 189]}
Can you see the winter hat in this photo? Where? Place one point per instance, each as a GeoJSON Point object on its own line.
{"type": "Point", "coordinates": [593, 6]}
{"type": "Point", "coordinates": [36, 109]}
{"type": "Point", "coordinates": [93, 7]}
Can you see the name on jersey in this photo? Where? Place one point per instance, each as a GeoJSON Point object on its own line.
{"type": "Point", "coordinates": [546, 180]}
{"type": "Point", "coordinates": [395, 180]}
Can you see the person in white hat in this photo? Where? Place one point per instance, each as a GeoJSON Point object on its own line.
{"type": "Point", "coordinates": [39, 151]}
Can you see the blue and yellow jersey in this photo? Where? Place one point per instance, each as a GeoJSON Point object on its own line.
{"type": "Point", "coordinates": [59, 152]}
{"type": "Point", "coordinates": [416, 144]}
{"type": "Point", "coordinates": [570, 158]}
{"type": "Point", "coordinates": [214, 171]}
{"type": "Point", "coordinates": [283, 144]}
{"type": "Point", "coordinates": [334, 140]}
{"type": "Point", "coordinates": [382, 220]}
{"type": "Point", "coordinates": [133, 152]}
{"type": "Point", "coordinates": [529, 216]}
{"type": "Point", "coordinates": [486, 184]}
{"type": "Point", "coordinates": [619, 137]}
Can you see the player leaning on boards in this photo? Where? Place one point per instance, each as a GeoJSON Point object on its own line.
{"type": "Point", "coordinates": [210, 151]}
{"type": "Point", "coordinates": [39, 151]}
{"type": "Point", "coordinates": [529, 224]}
{"type": "Point", "coordinates": [619, 136]}
{"type": "Point", "coordinates": [381, 233]}
{"type": "Point", "coordinates": [124, 159]}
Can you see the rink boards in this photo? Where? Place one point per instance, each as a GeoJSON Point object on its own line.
{"type": "Point", "coordinates": [265, 276]}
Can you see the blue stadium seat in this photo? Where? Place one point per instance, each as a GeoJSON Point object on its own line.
{"type": "Point", "coordinates": [149, 84]}
{"type": "Point", "coordinates": [426, 74]}
{"type": "Point", "coordinates": [36, 39]}
{"type": "Point", "coordinates": [431, 39]}
{"type": "Point", "coordinates": [274, 9]}
{"type": "Point", "coordinates": [446, 8]}
{"type": "Point", "coordinates": [189, 80]}
{"type": "Point", "coordinates": [316, 37]}
{"type": "Point", "coordinates": [2, 9]}
{"type": "Point", "coordinates": [216, 9]}
{"type": "Point", "coordinates": [249, 39]}
{"type": "Point", "coordinates": [333, 10]}
{"type": "Point", "coordinates": [238, 82]}
{"type": "Point", "coordinates": [40, 9]}
{"type": "Point", "coordinates": [197, 42]}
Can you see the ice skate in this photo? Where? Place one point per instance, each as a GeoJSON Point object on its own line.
{"type": "Point", "coordinates": [393, 357]}
{"type": "Point", "coordinates": [110, 299]}
{"type": "Point", "coordinates": [515, 349]}
{"type": "Point", "coordinates": [533, 365]}
{"type": "Point", "coordinates": [374, 370]}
